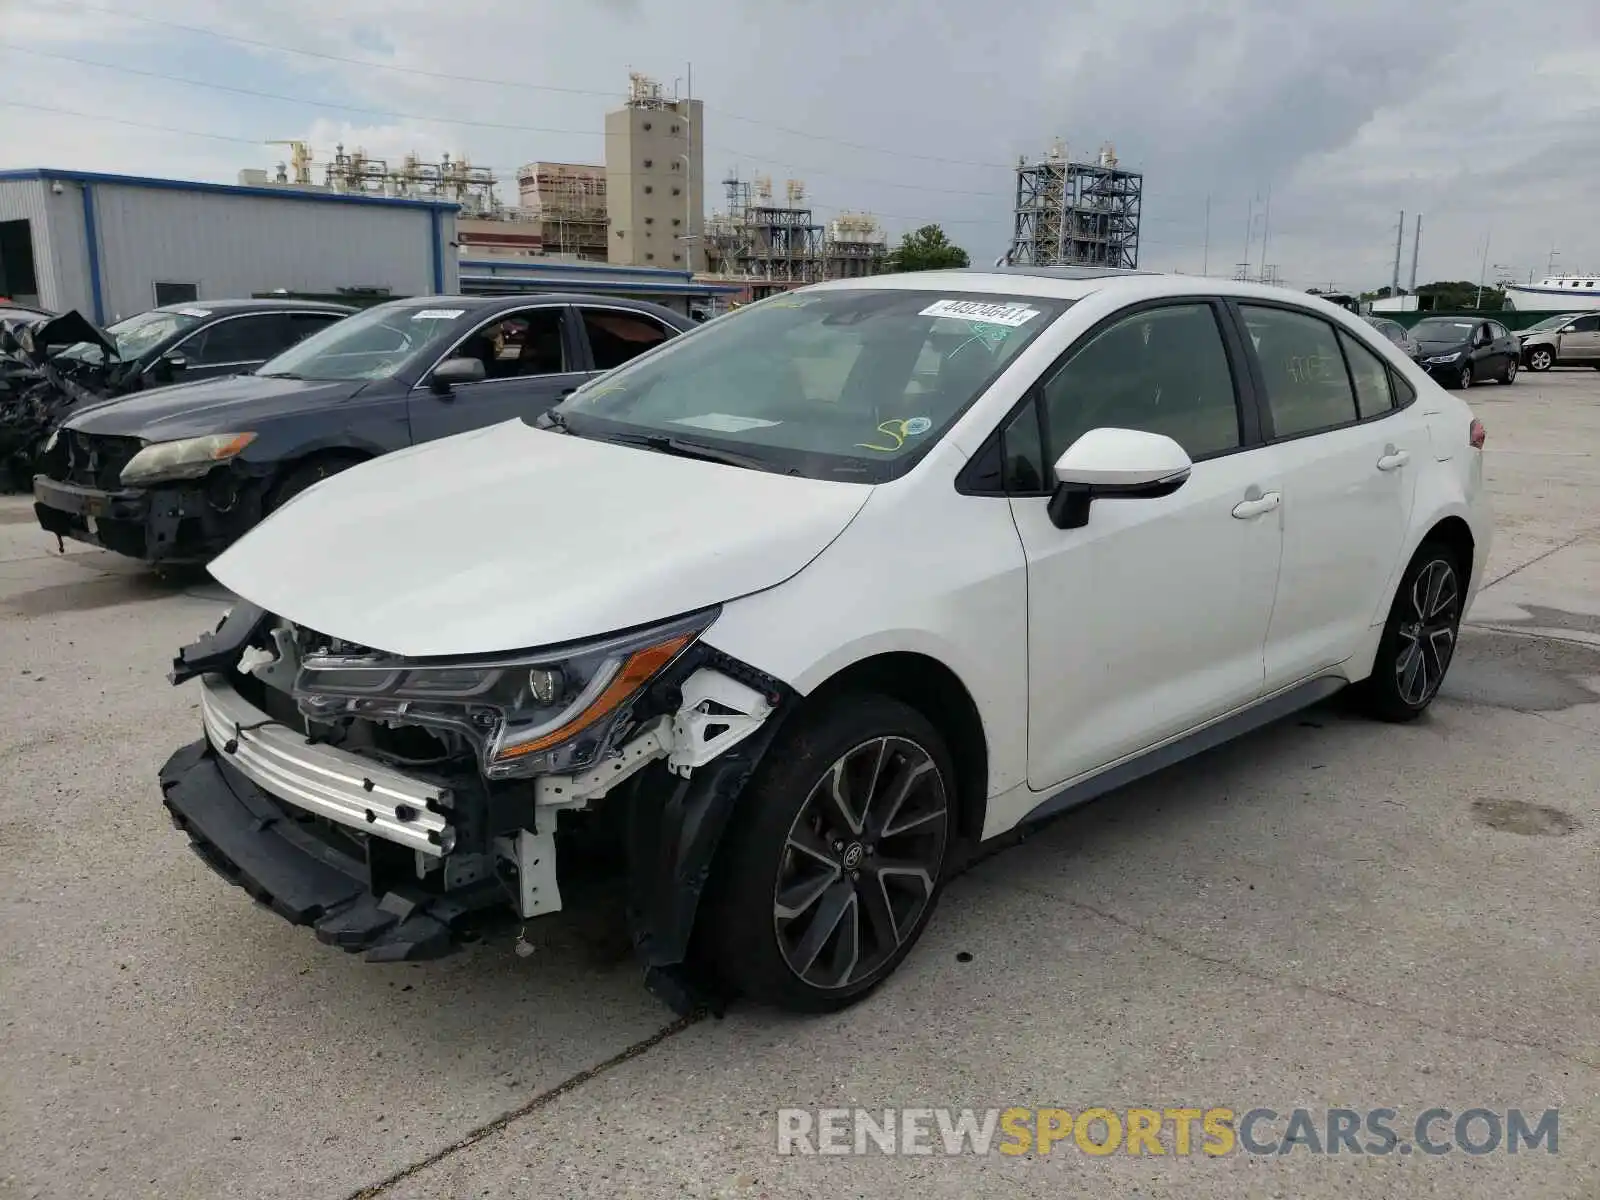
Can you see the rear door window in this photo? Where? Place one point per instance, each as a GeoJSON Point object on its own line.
{"type": "Point", "coordinates": [1308, 388]}
{"type": "Point", "coordinates": [1370, 375]}
{"type": "Point", "coordinates": [251, 339]}
{"type": "Point", "coordinates": [615, 336]}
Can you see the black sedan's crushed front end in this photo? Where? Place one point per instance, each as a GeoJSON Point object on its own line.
{"type": "Point", "coordinates": [79, 495]}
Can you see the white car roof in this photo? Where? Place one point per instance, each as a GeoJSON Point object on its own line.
{"type": "Point", "coordinates": [1070, 283]}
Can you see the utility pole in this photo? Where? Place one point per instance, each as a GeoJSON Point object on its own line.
{"type": "Point", "coordinates": [1399, 236]}
{"type": "Point", "coordinates": [1205, 255]}
{"type": "Point", "coordinates": [1249, 236]}
{"type": "Point", "coordinates": [1266, 230]}
{"type": "Point", "coordinates": [1416, 245]}
{"type": "Point", "coordinates": [1484, 269]}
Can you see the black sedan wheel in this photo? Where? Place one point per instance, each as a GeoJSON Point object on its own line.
{"type": "Point", "coordinates": [1541, 358]}
{"type": "Point", "coordinates": [1509, 374]}
{"type": "Point", "coordinates": [836, 854]}
{"type": "Point", "coordinates": [1464, 377]}
{"type": "Point", "coordinates": [1419, 640]}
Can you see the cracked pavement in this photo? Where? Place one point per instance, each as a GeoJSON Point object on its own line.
{"type": "Point", "coordinates": [1326, 913]}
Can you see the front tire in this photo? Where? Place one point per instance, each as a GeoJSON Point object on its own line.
{"type": "Point", "coordinates": [1541, 358]}
{"type": "Point", "coordinates": [1464, 379]}
{"type": "Point", "coordinates": [1419, 639]}
{"type": "Point", "coordinates": [834, 860]}
{"type": "Point", "coordinates": [304, 475]}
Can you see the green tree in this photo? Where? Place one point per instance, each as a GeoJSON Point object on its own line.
{"type": "Point", "coordinates": [926, 249]}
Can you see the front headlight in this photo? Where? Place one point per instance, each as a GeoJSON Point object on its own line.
{"type": "Point", "coordinates": [189, 458]}
{"type": "Point", "coordinates": [1445, 358]}
{"type": "Point", "coordinates": [527, 714]}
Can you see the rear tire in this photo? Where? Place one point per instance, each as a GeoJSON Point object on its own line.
{"type": "Point", "coordinates": [834, 859]}
{"type": "Point", "coordinates": [1541, 358]}
{"type": "Point", "coordinates": [1419, 639]}
{"type": "Point", "coordinates": [1509, 375]}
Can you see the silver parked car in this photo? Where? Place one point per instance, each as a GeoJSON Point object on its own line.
{"type": "Point", "coordinates": [1396, 333]}
{"type": "Point", "coordinates": [1567, 340]}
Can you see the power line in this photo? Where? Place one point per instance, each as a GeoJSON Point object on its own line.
{"type": "Point", "coordinates": [394, 114]}
{"type": "Point", "coordinates": [507, 83]}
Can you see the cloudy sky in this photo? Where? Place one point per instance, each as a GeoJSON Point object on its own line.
{"type": "Point", "coordinates": [1345, 111]}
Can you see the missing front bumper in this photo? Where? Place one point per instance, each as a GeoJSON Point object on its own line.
{"type": "Point", "coordinates": [262, 846]}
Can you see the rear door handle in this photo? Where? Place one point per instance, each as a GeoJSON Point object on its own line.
{"type": "Point", "coordinates": [1393, 459]}
{"type": "Point", "coordinates": [1246, 509]}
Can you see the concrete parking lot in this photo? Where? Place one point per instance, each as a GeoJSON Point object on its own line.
{"type": "Point", "coordinates": [1327, 913]}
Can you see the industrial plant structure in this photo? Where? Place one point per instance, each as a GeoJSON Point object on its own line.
{"type": "Point", "coordinates": [654, 182]}
{"type": "Point", "coordinates": [1077, 213]}
{"type": "Point", "coordinates": [642, 209]}
{"type": "Point", "coordinates": [568, 201]}
{"type": "Point", "coordinates": [774, 246]}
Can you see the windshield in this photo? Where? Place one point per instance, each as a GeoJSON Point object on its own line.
{"type": "Point", "coordinates": [1550, 323]}
{"type": "Point", "coordinates": [1439, 329]}
{"type": "Point", "coordinates": [374, 344]}
{"type": "Point", "coordinates": [141, 333]}
{"type": "Point", "coordinates": [832, 384]}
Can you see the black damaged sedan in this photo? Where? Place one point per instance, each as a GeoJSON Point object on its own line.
{"type": "Point", "coordinates": [174, 475]}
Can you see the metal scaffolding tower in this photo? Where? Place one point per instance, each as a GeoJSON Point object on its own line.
{"type": "Point", "coordinates": [1076, 213]}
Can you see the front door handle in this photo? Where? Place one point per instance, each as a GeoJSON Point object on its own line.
{"type": "Point", "coordinates": [1393, 459]}
{"type": "Point", "coordinates": [1246, 509]}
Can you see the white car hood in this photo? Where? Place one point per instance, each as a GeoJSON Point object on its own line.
{"type": "Point", "coordinates": [512, 537]}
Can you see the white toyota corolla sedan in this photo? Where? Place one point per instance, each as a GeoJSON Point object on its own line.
{"type": "Point", "coordinates": [772, 626]}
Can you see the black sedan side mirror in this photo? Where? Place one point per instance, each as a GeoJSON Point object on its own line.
{"type": "Point", "coordinates": [169, 366]}
{"type": "Point", "coordinates": [453, 371]}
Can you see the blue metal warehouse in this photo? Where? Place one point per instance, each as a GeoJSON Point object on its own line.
{"type": "Point", "coordinates": [114, 245]}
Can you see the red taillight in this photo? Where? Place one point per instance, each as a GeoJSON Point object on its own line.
{"type": "Point", "coordinates": [1477, 435]}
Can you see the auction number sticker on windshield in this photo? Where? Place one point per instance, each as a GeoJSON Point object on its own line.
{"type": "Point", "coordinates": [202, 313]}
{"type": "Point", "coordinates": [1009, 315]}
{"type": "Point", "coordinates": [438, 314]}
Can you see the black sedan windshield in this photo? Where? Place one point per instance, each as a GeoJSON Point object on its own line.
{"type": "Point", "coordinates": [375, 344]}
{"type": "Point", "coordinates": [834, 384]}
{"type": "Point", "coordinates": [1442, 329]}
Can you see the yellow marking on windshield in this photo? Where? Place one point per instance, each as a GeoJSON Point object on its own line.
{"type": "Point", "coordinates": [893, 429]}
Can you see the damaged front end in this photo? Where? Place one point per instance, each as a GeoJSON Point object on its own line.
{"type": "Point", "coordinates": [41, 384]}
{"type": "Point", "coordinates": [394, 804]}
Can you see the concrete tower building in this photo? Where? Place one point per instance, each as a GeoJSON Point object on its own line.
{"type": "Point", "coordinates": [655, 185]}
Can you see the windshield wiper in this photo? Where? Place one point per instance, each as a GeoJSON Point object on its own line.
{"type": "Point", "coordinates": [663, 444]}
{"type": "Point", "coordinates": [280, 375]}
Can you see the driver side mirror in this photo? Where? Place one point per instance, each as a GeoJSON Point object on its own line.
{"type": "Point", "coordinates": [1124, 464]}
{"type": "Point", "coordinates": [453, 371]}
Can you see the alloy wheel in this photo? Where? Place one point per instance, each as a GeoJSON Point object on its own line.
{"type": "Point", "coordinates": [1511, 371]}
{"type": "Point", "coordinates": [1466, 377]}
{"type": "Point", "coordinates": [1428, 633]}
{"type": "Point", "coordinates": [861, 862]}
{"type": "Point", "coordinates": [1539, 360]}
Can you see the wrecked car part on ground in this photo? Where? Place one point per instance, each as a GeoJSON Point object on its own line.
{"type": "Point", "coordinates": [394, 804]}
